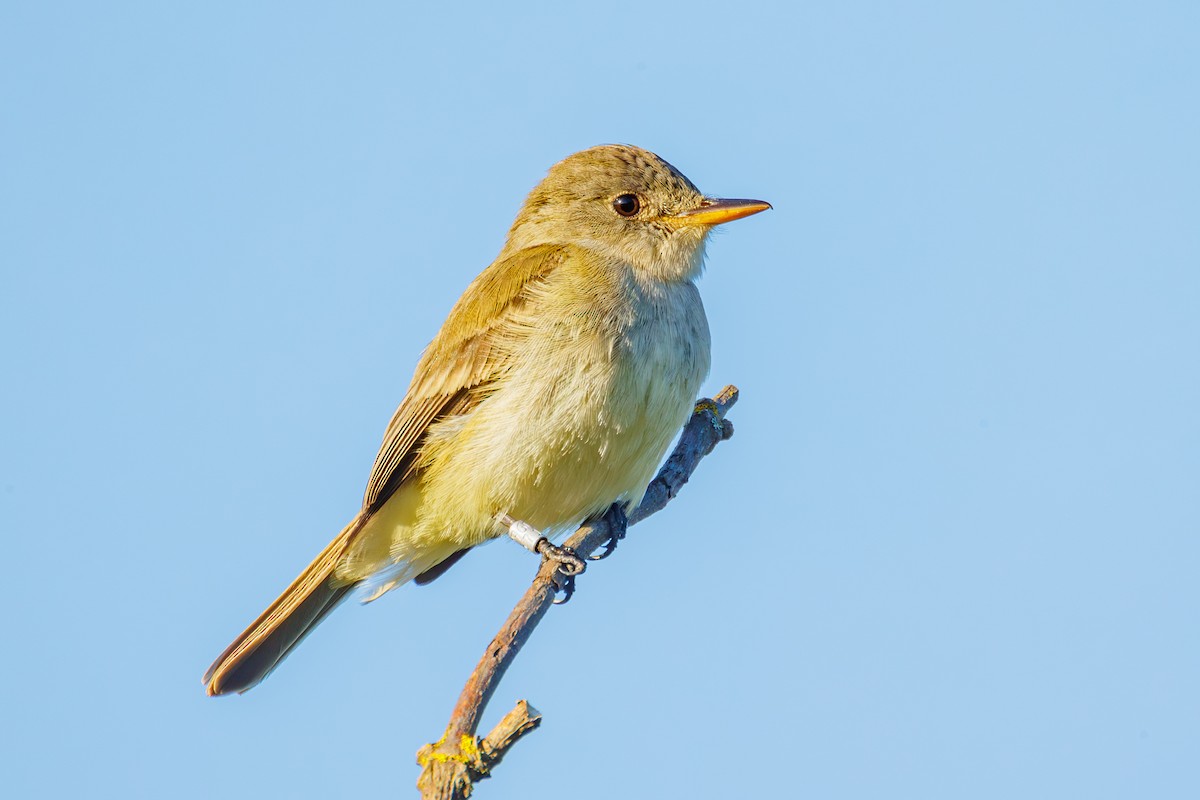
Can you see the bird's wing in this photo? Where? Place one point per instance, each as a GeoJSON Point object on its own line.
{"type": "Point", "coordinates": [459, 364]}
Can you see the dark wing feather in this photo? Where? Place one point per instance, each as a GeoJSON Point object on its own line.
{"type": "Point", "coordinates": [402, 443]}
{"type": "Point", "coordinates": [438, 570]}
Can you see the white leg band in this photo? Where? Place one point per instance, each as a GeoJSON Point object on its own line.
{"type": "Point", "coordinates": [520, 532]}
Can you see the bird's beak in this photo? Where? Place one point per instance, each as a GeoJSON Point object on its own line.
{"type": "Point", "coordinates": [714, 211]}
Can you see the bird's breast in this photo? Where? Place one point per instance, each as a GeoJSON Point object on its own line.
{"type": "Point", "coordinates": [594, 398]}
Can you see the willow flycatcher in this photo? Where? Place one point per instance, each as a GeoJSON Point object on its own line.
{"type": "Point", "coordinates": [552, 390]}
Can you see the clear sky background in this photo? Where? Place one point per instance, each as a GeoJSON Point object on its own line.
{"type": "Point", "coordinates": [952, 551]}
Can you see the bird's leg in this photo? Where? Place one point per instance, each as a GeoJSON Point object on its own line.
{"type": "Point", "coordinates": [618, 523]}
{"type": "Point", "coordinates": [529, 537]}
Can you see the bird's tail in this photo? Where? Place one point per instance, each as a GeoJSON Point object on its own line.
{"type": "Point", "coordinates": [269, 639]}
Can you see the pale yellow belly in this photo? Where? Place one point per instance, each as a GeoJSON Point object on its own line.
{"type": "Point", "coordinates": [569, 431]}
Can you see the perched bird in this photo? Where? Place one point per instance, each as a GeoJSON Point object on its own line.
{"type": "Point", "coordinates": [552, 390]}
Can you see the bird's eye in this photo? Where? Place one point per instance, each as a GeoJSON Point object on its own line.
{"type": "Point", "coordinates": [627, 205]}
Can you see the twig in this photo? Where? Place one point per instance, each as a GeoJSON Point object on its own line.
{"type": "Point", "coordinates": [454, 763]}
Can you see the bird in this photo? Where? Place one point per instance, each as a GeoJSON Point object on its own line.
{"type": "Point", "coordinates": [551, 392]}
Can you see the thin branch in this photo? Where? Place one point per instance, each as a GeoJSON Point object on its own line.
{"type": "Point", "coordinates": [453, 764]}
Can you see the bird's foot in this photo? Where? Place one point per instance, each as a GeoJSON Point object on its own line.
{"type": "Point", "coordinates": [569, 565]}
{"type": "Point", "coordinates": [567, 560]}
{"type": "Point", "coordinates": [618, 524]}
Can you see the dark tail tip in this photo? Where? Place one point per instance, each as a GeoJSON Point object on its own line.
{"type": "Point", "coordinates": [261, 648]}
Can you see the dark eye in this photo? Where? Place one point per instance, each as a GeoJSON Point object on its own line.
{"type": "Point", "coordinates": [627, 205]}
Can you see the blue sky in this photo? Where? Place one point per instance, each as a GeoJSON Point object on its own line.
{"type": "Point", "coordinates": [952, 550]}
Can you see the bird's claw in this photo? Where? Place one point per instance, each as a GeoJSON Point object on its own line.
{"type": "Point", "coordinates": [569, 565]}
{"type": "Point", "coordinates": [618, 524]}
{"type": "Point", "coordinates": [566, 585]}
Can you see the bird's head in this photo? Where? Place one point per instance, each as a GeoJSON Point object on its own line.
{"type": "Point", "coordinates": [627, 203]}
